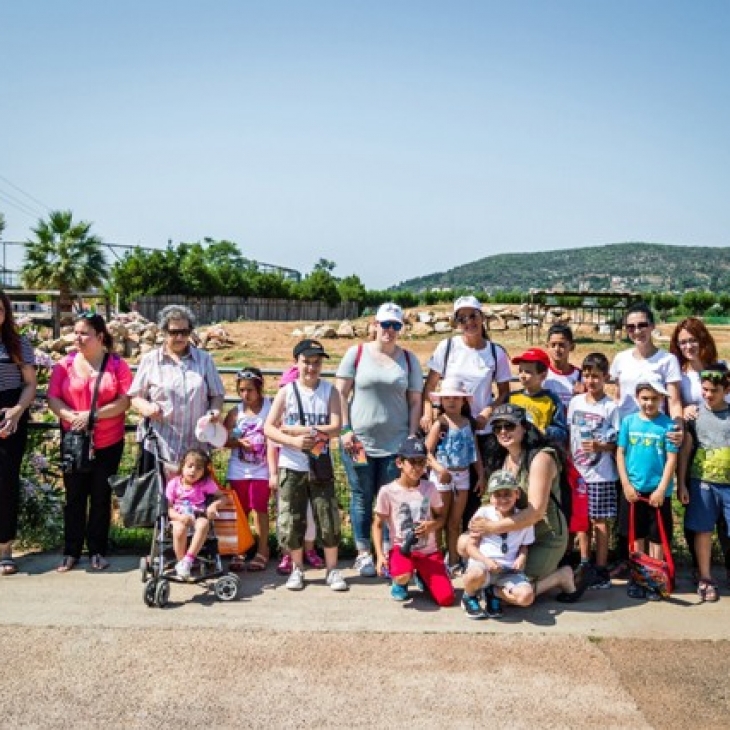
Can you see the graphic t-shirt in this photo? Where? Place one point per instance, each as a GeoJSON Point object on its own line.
{"type": "Point", "coordinates": [711, 431]}
{"type": "Point", "coordinates": [562, 384]}
{"type": "Point", "coordinates": [593, 422]}
{"type": "Point", "coordinates": [251, 463]}
{"type": "Point", "coordinates": [491, 545]}
{"type": "Point", "coordinates": [181, 495]}
{"type": "Point", "coordinates": [403, 507]}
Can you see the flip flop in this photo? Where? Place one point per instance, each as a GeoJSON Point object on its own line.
{"type": "Point", "coordinates": [99, 562]}
{"type": "Point", "coordinates": [68, 563]}
{"type": "Point", "coordinates": [8, 566]}
{"type": "Point", "coordinates": [258, 564]}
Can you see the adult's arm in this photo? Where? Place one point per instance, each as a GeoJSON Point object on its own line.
{"type": "Point", "coordinates": [543, 471]}
{"type": "Point", "coordinates": [138, 391]}
{"type": "Point", "coordinates": [27, 394]}
{"type": "Point", "coordinates": [415, 405]}
{"type": "Point", "coordinates": [429, 412]}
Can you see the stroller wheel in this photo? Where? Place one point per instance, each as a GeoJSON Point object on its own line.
{"type": "Point", "coordinates": [162, 593]}
{"type": "Point", "coordinates": [226, 588]}
{"type": "Point", "coordinates": [149, 593]}
{"type": "Point", "coordinates": [144, 567]}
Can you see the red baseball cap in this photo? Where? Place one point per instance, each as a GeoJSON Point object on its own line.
{"type": "Point", "coordinates": [534, 354]}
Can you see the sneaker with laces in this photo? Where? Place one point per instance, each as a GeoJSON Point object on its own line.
{"type": "Point", "coordinates": [472, 607]}
{"type": "Point", "coordinates": [295, 582]}
{"type": "Point", "coordinates": [182, 569]}
{"type": "Point", "coordinates": [494, 604]}
{"type": "Point", "coordinates": [365, 566]}
{"type": "Point", "coordinates": [335, 581]}
{"type": "Point", "coordinates": [285, 565]}
{"type": "Point", "coordinates": [312, 559]}
{"type": "Point", "coordinates": [398, 592]}
{"type": "Point", "coordinates": [601, 579]}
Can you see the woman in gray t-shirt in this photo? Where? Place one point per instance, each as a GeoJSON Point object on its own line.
{"type": "Point", "coordinates": [380, 387]}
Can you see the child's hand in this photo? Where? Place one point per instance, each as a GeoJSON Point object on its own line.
{"type": "Point", "coordinates": [423, 527]}
{"type": "Point", "coordinates": [690, 413]}
{"type": "Point", "coordinates": [520, 562]}
{"type": "Point", "coordinates": [591, 446]}
{"type": "Point", "coordinates": [445, 477]}
{"type": "Point", "coordinates": [479, 486]}
{"type": "Point", "coordinates": [380, 563]}
{"type": "Point", "coordinates": [676, 435]}
{"type": "Point", "coordinates": [492, 566]}
{"type": "Point", "coordinates": [683, 494]}
{"type": "Point", "coordinates": [273, 483]}
{"type": "Point", "coordinates": [656, 498]}
{"type": "Point", "coordinates": [212, 512]}
{"type": "Point", "coordinates": [304, 442]}
{"type": "Point", "coordinates": [630, 493]}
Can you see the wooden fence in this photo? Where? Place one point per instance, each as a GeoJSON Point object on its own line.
{"type": "Point", "coordinates": [231, 309]}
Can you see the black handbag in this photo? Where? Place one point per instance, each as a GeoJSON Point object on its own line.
{"type": "Point", "coordinates": [139, 494]}
{"type": "Point", "coordinates": [320, 467]}
{"type": "Point", "coordinates": [77, 447]}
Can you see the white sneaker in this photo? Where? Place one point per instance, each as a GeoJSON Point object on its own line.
{"type": "Point", "coordinates": [335, 581]}
{"type": "Point", "coordinates": [295, 582]}
{"type": "Point", "coordinates": [365, 566]}
{"type": "Point", "coordinates": [182, 568]}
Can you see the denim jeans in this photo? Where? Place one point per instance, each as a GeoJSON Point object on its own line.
{"type": "Point", "coordinates": [365, 481]}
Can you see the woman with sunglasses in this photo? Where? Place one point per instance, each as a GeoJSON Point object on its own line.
{"type": "Point", "coordinates": [380, 386]}
{"type": "Point", "coordinates": [175, 386]}
{"type": "Point", "coordinates": [695, 349]}
{"type": "Point", "coordinates": [518, 447]}
{"type": "Point", "coordinates": [87, 512]}
{"type": "Point", "coordinates": [17, 391]}
{"type": "Point", "coordinates": [481, 365]}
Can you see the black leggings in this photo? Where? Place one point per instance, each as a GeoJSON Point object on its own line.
{"type": "Point", "coordinates": [12, 449]}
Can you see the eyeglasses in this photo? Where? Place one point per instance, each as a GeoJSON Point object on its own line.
{"type": "Point", "coordinates": [397, 326]}
{"type": "Point", "coordinates": [637, 326]}
{"type": "Point", "coordinates": [504, 426]}
{"type": "Point", "coordinates": [179, 333]}
{"type": "Point", "coordinates": [504, 543]}
{"type": "Point", "coordinates": [714, 376]}
{"type": "Point", "coordinates": [464, 318]}
{"type": "Point", "coordinates": [247, 375]}
{"type": "Point", "coordinates": [691, 342]}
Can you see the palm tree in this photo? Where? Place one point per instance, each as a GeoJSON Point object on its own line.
{"type": "Point", "coordinates": [64, 256]}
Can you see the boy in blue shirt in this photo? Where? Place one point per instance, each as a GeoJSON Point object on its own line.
{"type": "Point", "coordinates": [646, 462]}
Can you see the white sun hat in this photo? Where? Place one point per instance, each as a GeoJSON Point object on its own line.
{"type": "Point", "coordinates": [211, 433]}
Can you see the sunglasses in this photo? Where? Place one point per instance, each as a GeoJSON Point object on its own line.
{"type": "Point", "coordinates": [397, 326]}
{"type": "Point", "coordinates": [714, 376]}
{"type": "Point", "coordinates": [504, 547]}
{"type": "Point", "coordinates": [504, 426]}
{"type": "Point", "coordinates": [637, 326]}
{"type": "Point", "coordinates": [179, 333]}
{"type": "Point", "coordinates": [464, 318]}
{"type": "Point", "coordinates": [248, 375]}
{"type": "Point", "coordinates": [88, 315]}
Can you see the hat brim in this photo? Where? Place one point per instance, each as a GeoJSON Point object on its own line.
{"type": "Point", "coordinates": [448, 394]}
{"type": "Point", "coordinates": [310, 353]}
{"type": "Point", "coordinates": [652, 386]}
{"type": "Point", "coordinates": [504, 419]}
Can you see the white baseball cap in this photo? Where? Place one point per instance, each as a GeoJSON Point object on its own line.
{"type": "Point", "coordinates": [652, 380]}
{"type": "Point", "coordinates": [468, 301]}
{"type": "Point", "coordinates": [389, 312]}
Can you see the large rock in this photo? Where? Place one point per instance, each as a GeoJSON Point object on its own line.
{"type": "Point", "coordinates": [346, 329]}
{"type": "Point", "coordinates": [325, 332]}
{"type": "Point", "coordinates": [442, 327]}
{"type": "Point", "coordinates": [421, 329]}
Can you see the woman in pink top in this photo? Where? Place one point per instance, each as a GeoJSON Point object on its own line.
{"type": "Point", "coordinates": [87, 512]}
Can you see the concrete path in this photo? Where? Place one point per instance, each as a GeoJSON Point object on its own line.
{"type": "Point", "coordinates": [82, 650]}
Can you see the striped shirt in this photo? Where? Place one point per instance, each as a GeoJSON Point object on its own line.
{"type": "Point", "coordinates": [10, 377]}
{"type": "Point", "coordinates": [183, 391]}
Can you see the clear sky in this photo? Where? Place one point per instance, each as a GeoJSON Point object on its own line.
{"type": "Point", "coordinates": [395, 138]}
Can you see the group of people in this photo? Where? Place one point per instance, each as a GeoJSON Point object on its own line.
{"type": "Point", "coordinates": [449, 474]}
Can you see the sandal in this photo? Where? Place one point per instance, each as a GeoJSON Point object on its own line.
{"type": "Point", "coordinates": [258, 563]}
{"type": "Point", "coordinates": [707, 591]}
{"type": "Point", "coordinates": [237, 564]}
{"type": "Point", "coordinates": [99, 562]}
{"type": "Point", "coordinates": [68, 563]}
{"type": "Point", "coordinates": [8, 566]}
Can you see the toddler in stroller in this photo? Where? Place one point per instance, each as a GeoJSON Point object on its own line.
{"type": "Point", "coordinates": [187, 496]}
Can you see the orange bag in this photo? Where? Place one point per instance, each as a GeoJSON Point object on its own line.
{"type": "Point", "coordinates": [231, 526]}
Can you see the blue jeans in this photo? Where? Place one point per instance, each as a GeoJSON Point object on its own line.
{"type": "Point", "coordinates": [365, 481]}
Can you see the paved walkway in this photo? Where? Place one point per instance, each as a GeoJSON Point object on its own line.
{"type": "Point", "coordinates": [82, 649]}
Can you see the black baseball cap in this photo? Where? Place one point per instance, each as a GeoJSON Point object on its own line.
{"type": "Point", "coordinates": [308, 348]}
{"type": "Point", "coordinates": [413, 448]}
{"type": "Point", "coordinates": [510, 413]}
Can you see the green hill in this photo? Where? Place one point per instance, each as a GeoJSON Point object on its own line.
{"type": "Point", "coordinates": [626, 266]}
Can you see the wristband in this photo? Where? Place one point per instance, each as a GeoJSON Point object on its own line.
{"type": "Point", "coordinates": [345, 430]}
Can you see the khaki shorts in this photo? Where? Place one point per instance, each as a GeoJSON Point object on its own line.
{"type": "Point", "coordinates": [295, 492]}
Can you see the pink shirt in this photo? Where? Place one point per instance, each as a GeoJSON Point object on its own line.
{"type": "Point", "coordinates": [177, 492]}
{"type": "Point", "coordinates": [76, 392]}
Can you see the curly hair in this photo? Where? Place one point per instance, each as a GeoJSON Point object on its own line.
{"type": "Point", "coordinates": [9, 335]}
{"type": "Point", "coordinates": [175, 311]}
{"type": "Point", "coordinates": [696, 327]}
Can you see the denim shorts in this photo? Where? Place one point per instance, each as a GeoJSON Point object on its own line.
{"type": "Point", "coordinates": [707, 501]}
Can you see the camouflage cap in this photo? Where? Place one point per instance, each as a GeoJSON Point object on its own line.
{"type": "Point", "coordinates": [502, 479]}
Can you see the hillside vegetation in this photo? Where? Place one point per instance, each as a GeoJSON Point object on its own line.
{"type": "Point", "coordinates": [633, 266]}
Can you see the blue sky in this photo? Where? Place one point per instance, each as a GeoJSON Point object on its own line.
{"type": "Point", "coordinates": [395, 138]}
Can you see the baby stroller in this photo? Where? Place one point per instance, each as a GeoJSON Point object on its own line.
{"type": "Point", "coordinates": [158, 568]}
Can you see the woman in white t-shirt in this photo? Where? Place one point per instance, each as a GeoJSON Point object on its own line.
{"type": "Point", "coordinates": [480, 365]}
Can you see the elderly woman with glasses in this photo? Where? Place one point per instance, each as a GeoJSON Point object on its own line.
{"type": "Point", "coordinates": [380, 386]}
{"type": "Point", "coordinates": [176, 385]}
{"type": "Point", "coordinates": [518, 447]}
{"type": "Point", "coordinates": [480, 364]}
{"type": "Point", "coordinates": [695, 349]}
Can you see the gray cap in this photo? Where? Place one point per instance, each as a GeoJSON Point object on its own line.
{"type": "Point", "coordinates": [502, 479]}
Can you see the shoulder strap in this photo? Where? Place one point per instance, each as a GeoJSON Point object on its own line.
{"type": "Point", "coordinates": [92, 409]}
{"type": "Point", "coordinates": [446, 357]}
{"type": "Point", "coordinates": [358, 356]}
{"type": "Point", "coordinates": [299, 403]}
{"type": "Point", "coordinates": [407, 353]}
